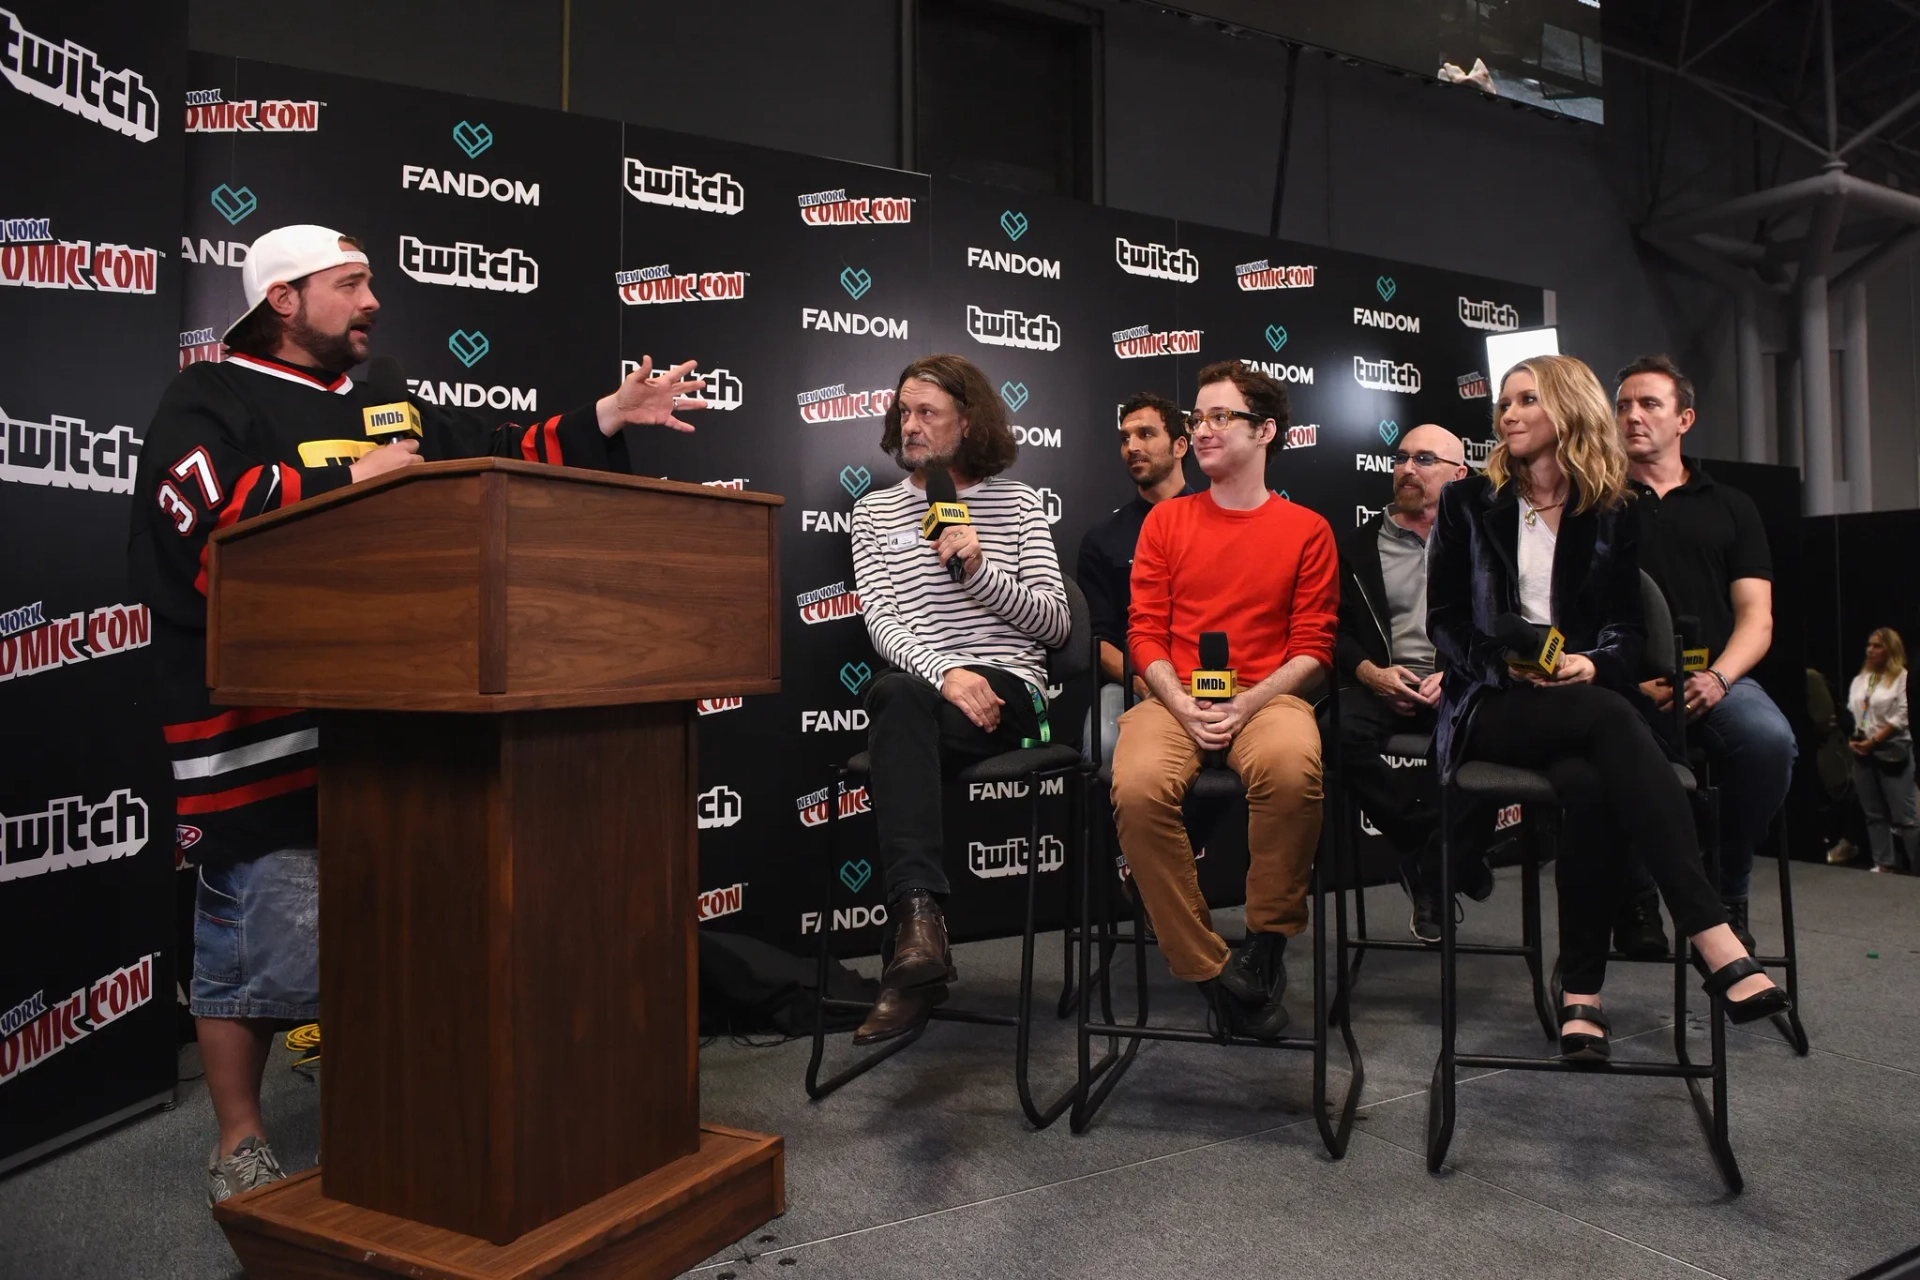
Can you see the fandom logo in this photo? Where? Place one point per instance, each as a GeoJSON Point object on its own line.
{"type": "Point", "coordinates": [825, 321]}
{"type": "Point", "coordinates": [855, 480]}
{"type": "Point", "coordinates": [63, 454]}
{"type": "Point", "coordinates": [837, 209]}
{"type": "Point", "coordinates": [233, 205]}
{"type": "Point", "coordinates": [861, 917]}
{"type": "Point", "coordinates": [1282, 372]}
{"type": "Point", "coordinates": [1014, 224]}
{"type": "Point", "coordinates": [1011, 328]}
{"type": "Point", "coordinates": [1276, 336]}
{"type": "Point", "coordinates": [826, 522]}
{"type": "Point", "coordinates": [1015, 790]}
{"type": "Point", "coordinates": [850, 720]}
{"type": "Point", "coordinates": [1015, 394]}
{"type": "Point", "coordinates": [468, 347]}
{"type": "Point", "coordinates": [75, 264]}
{"type": "Point", "coordinates": [1049, 505]}
{"type": "Point", "coordinates": [1013, 264]}
{"type": "Point", "coordinates": [206, 113]}
{"type": "Point", "coordinates": [72, 833]}
{"type": "Point", "coordinates": [717, 807]}
{"type": "Point", "coordinates": [215, 253]}
{"type": "Point", "coordinates": [715, 903]}
{"type": "Point", "coordinates": [1497, 316]}
{"type": "Point", "coordinates": [1251, 276]}
{"type": "Point", "coordinates": [684, 187]}
{"type": "Point", "coordinates": [1141, 342]}
{"type": "Point", "coordinates": [856, 282]}
{"type": "Point", "coordinates": [69, 76]}
{"type": "Point", "coordinates": [1368, 318]}
{"type": "Point", "coordinates": [813, 806]}
{"type": "Point", "coordinates": [473, 139]}
{"type": "Point", "coordinates": [473, 186]}
{"type": "Point", "coordinates": [1386, 375]}
{"type": "Point", "coordinates": [649, 286]}
{"type": "Point", "coordinates": [1473, 386]}
{"type": "Point", "coordinates": [1376, 462]}
{"type": "Point", "coordinates": [30, 644]}
{"type": "Point", "coordinates": [1386, 287]}
{"type": "Point", "coordinates": [472, 395]}
{"type": "Point", "coordinates": [1038, 437]}
{"type": "Point", "coordinates": [828, 604]}
{"type": "Point", "coordinates": [1156, 261]}
{"type": "Point", "coordinates": [855, 875]}
{"type": "Point", "coordinates": [469, 266]}
{"type": "Point", "coordinates": [1389, 431]}
{"type": "Point", "coordinates": [854, 676]}
{"type": "Point", "coordinates": [1009, 858]}
{"type": "Point", "coordinates": [837, 404]}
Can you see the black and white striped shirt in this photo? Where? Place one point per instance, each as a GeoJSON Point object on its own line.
{"type": "Point", "coordinates": [1007, 615]}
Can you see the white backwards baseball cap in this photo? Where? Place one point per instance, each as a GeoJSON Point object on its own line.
{"type": "Point", "coordinates": [284, 255]}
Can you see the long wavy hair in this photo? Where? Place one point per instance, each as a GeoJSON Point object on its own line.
{"type": "Point", "coordinates": [987, 448]}
{"type": "Point", "coordinates": [1589, 447]}
{"type": "Point", "coordinates": [1896, 652]}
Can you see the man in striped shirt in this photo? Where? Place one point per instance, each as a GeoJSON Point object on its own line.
{"type": "Point", "coordinates": [969, 657]}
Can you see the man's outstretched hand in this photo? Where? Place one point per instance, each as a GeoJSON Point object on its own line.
{"type": "Point", "coordinates": [644, 399]}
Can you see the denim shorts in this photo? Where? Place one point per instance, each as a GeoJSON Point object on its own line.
{"type": "Point", "coordinates": [256, 938]}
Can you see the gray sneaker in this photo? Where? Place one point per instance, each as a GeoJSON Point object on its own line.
{"type": "Point", "coordinates": [251, 1165]}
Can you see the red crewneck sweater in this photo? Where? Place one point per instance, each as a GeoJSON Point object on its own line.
{"type": "Point", "coordinates": [1269, 578]}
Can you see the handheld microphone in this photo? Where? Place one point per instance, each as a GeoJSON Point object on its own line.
{"type": "Point", "coordinates": [1531, 647]}
{"type": "Point", "coordinates": [396, 417]}
{"type": "Point", "coordinates": [944, 510]}
{"type": "Point", "coordinates": [1212, 680]}
{"type": "Point", "coordinates": [1694, 656]}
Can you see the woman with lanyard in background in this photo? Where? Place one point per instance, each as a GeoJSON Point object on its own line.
{"type": "Point", "coordinates": [1882, 747]}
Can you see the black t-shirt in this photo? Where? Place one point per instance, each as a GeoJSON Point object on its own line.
{"type": "Point", "coordinates": [1695, 542]}
{"type": "Point", "coordinates": [1105, 570]}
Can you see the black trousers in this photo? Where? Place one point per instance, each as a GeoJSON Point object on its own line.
{"type": "Point", "coordinates": [1403, 803]}
{"type": "Point", "coordinates": [1621, 798]}
{"type": "Point", "coordinates": [917, 740]}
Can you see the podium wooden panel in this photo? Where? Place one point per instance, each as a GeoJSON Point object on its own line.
{"type": "Point", "coordinates": [502, 655]}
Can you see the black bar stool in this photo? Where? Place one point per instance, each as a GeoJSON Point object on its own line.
{"type": "Point", "coordinates": [1072, 664]}
{"type": "Point", "coordinates": [1510, 784]}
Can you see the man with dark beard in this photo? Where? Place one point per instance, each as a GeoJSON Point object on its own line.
{"type": "Point", "coordinates": [280, 420]}
{"type": "Point", "coordinates": [1153, 445]}
{"type": "Point", "coordinates": [1387, 663]}
{"type": "Point", "coordinates": [968, 656]}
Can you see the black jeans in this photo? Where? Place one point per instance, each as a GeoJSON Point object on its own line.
{"type": "Point", "coordinates": [917, 740]}
{"type": "Point", "coordinates": [1621, 798]}
{"type": "Point", "coordinates": [1403, 803]}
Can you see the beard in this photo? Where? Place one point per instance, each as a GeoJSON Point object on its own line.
{"type": "Point", "coordinates": [1408, 500]}
{"type": "Point", "coordinates": [1156, 471]}
{"type": "Point", "coordinates": [333, 351]}
{"type": "Point", "coordinates": [941, 460]}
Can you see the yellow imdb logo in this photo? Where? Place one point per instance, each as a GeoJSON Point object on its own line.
{"type": "Point", "coordinates": [334, 453]}
{"type": "Point", "coordinates": [1210, 684]}
{"type": "Point", "coordinates": [386, 419]}
{"type": "Point", "coordinates": [941, 514]}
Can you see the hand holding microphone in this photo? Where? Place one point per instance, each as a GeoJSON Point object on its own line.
{"type": "Point", "coordinates": [1536, 653]}
{"type": "Point", "coordinates": [1212, 687]}
{"type": "Point", "coordinates": [393, 421]}
{"type": "Point", "coordinates": [949, 527]}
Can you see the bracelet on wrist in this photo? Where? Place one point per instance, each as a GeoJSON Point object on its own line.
{"type": "Point", "coordinates": [1725, 686]}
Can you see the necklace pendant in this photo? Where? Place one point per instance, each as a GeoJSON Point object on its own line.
{"type": "Point", "coordinates": [1533, 518]}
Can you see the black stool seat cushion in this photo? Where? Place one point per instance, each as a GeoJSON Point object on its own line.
{"type": "Point", "coordinates": [1005, 767]}
{"type": "Point", "coordinates": [1512, 783]}
{"type": "Point", "coordinates": [1216, 784]}
{"type": "Point", "coordinates": [1410, 746]}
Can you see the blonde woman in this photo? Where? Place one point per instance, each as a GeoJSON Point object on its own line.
{"type": "Point", "coordinates": [1882, 747]}
{"type": "Point", "coordinates": [1548, 533]}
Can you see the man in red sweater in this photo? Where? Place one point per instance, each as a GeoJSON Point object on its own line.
{"type": "Point", "coordinates": [1241, 559]}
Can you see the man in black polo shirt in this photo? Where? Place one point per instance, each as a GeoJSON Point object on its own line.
{"type": "Point", "coordinates": [1153, 443]}
{"type": "Point", "coordinates": [1702, 541]}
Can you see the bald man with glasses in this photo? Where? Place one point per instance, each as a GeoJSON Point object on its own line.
{"type": "Point", "coordinates": [1389, 673]}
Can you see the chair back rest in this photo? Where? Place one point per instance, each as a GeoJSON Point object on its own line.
{"type": "Point", "coordinates": [1657, 660]}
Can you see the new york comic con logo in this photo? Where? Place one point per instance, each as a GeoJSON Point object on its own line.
{"type": "Point", "coordinates": [813, 806]}
{"type": "Point", "coordinates": [837, 209]}
{"type": "Point", "coordinates": [684, 187]}
{"type": "Point", "coordinates": [1141, 342]}
{"type": "Point", "coordinates": [32, 257]}
{"type": "Point", "coordinates": [30, 644]}
{"type": "Point", "coordinates": [68, 75]}
{"type": "Point", "coordinates": [1156, 261]}
{"type": "Point", "coordinates": [33, 1031]}
{"type": "Point", "coordinates": [1254, 276]}
{"type": "Point", "coordinates": [65, 454]}
{"type": "Point", "coordinates": [208, 113]}
{"type": "Point", "coordinates": [650, 286]}
{"type": "Point", "coordinates": [1497, 316]}
{"type": "Point", "coordinates": [828, 604]}
{"type": "Point", "coordinates": [837, 404]}
{"type": "Point", "coordinates": [469, 266]}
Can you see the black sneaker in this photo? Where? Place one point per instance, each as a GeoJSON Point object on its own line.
{"type": "Point", "coordinates": [1475, 878]}
{"type": "Point", "coordinates": [1638, 933]}
{"type": "Point", "coordinates": [1737, 920]}
{"type": "Point", "coordinates": [1241, 976]}
{"type": "Point", "coordinates": [1424, 923]}
{"type": "Point", "coordinates": [1267, 954]}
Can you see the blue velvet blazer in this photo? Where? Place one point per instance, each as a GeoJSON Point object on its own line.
{"type": "Point", "coordinates": [1473, 574]}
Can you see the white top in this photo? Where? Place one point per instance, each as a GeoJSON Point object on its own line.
{"type": "Point", "coordinates": [1537, 541]}
{"type": "Point", "coordinates": [920, 620]}
{"type": "Point", "coordinates": [1877, 701]}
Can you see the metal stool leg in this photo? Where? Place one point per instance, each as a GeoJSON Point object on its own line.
{"type": "Point", "coordinates": [1531, 934]}
{"type": "Point", "coordinates": [1039, 1116]}
{"type": "Point", "coordinates": [1440, 1093]}
{"type": "Point", "coordinates": [1789, 1022]}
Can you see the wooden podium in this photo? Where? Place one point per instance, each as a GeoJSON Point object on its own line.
{"type": "Point", "coordinates": [504, 656]}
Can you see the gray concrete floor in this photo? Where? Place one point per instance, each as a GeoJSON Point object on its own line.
{"type": "Point", "coordinates": [1206, 1161]}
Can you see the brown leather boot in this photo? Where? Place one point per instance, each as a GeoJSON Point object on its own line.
{"type": "Point", "coordinates": [921, 957]}
{"type": "Point", "coordinates": [898, 1011]}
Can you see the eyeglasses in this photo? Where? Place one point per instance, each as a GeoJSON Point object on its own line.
{"type": "Point", "coordinates": [1217, 420]}
{"type": "Point", "coordinates": [1424, 458]}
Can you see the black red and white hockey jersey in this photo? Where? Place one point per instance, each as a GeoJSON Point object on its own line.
{"type": "Point", "coordinates": [234, 439]}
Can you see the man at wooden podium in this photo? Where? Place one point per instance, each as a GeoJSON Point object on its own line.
{"type": "Point", "coordinates": [280, 420]}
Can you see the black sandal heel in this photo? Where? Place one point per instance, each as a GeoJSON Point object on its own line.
{"type": "Point", "coordinates": [1753, 1008]}
{"type": "Point", "coordinates": [1582, 1046]}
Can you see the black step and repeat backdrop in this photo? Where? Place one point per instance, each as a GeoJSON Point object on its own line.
{"type": "Point", "coordinates": [90, 146]}
{"type": "Point", "coordinates": [524, 260]}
